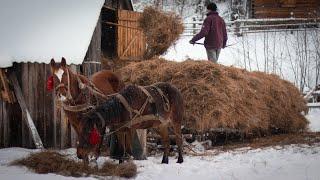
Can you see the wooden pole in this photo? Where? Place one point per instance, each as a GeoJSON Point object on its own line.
{"type": "Point", "coordinates": [25, 113]}
{"type": "Point", "coordinates": [115, 24]}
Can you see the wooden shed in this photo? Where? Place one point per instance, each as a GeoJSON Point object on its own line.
{"type": "Point", "coordinates": [284, 8]}
{"type": "Point", "coordinates": [111, 40]}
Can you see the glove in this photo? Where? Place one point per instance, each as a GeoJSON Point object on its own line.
{"type": "Point", "coordinates": [192, 42]}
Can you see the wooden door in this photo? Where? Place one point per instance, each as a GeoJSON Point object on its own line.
{"type": "Point", "coordinates": [131, 43]}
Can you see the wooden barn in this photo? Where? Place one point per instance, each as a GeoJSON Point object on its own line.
{"type": "Point", "coordinates": [82, 32]}
{"type": "Point", "coordinates": [284, 8]}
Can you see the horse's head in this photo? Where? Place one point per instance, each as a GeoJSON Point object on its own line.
{"type": "Point", "coordinates": [60, 79]}
{"type": "Point", "coordinates": [89, 139]}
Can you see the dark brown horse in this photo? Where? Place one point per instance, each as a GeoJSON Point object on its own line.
{"type": "Point", "coordinates": [76, 91]}
{"type": "Point", "coordinates": [157, 106]}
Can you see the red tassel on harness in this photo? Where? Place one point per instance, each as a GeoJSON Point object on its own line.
{"type": "Point", "coordinates": [50, 83]}
{"type": "Point", "coordinates": [94, 137]}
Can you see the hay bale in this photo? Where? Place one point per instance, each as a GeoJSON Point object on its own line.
{"type": "Point", "coordinates": [217, 96]}
{"type": "Point", "coordinates": [162, 29]}
{"type": "Point", "coordinates": [52, 162]}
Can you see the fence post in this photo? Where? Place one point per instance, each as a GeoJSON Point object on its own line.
{"type": "Point", "coordinates": [194, 25]}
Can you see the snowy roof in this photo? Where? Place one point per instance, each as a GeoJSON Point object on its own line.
{"type": "Point", "coordinates": [38, 30]}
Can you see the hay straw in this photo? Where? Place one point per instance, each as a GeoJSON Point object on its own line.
{"type": "Point", "coordinates": [53, 162]}
{"type": "Point", "coordinates": [217, 96]}
{"type": "Point", "coordinates": [162, 30]}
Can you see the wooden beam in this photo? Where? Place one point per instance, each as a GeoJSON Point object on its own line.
{"type": "Point", "coordinates": [115, 24]}
{"type": "Point", "coordinates": [108, 7]}
{"type": "Point", "coordinates": [25, 113]}
{"type": "Point", "coordinates": [128, 47]}
{"type": "Point", "coordinates": [142, 136]}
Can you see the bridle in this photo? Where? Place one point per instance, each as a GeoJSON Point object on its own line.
{"type": "Point", "coordinates": [62, 85]}
{"type": "Point", "coordinates": [82, 86]}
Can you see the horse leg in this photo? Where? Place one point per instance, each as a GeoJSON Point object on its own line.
{"type": "Point", "coordinates": [117, 146]}
{"type": "Point", "coordinates": [177, 132]}
{"type": "Point", "coordinates": [163, 130]}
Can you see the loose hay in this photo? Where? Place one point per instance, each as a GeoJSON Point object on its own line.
{"type": "Point", "coordinates": [162, 29]}
{"type": "Point", "coordinates": [53, 162]}
{"type": "Point", "coordinates": [217, 96]}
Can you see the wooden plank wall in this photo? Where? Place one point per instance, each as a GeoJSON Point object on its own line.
{"type": "Point", "coordinates": [131, 43]}
{"type": "Point", "coordinates": [32, 79]}
{"type": "Point", "coordinates": [283, 8]}
{"type": "Point", "coordinates": [52, 125]}
{"type": "Point", "coordinates": [94, 49]}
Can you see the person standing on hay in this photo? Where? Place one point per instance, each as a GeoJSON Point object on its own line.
{"type": "Point", "coordinates": [215, 33]}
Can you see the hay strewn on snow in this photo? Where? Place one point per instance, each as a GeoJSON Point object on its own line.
{"type": "Point", "coordinates": [162, 29]}
{"type": "Point", "coordinates": [53, 162]}
{"type": "Point", "coordinates": [217, 96]}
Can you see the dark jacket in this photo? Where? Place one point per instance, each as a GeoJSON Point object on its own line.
{"type": "Point", "coordinates": [214, 31]}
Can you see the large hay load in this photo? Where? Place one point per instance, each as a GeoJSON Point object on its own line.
{"type": "Point", "coordinates": [220, 97]}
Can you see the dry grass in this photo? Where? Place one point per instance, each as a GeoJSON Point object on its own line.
{"type": "Point", "coordinates": [217, 96]}
{"type": "Point", "coordinates": [53, 162]}
{"type": "Point", "coordinates": [162, 29]}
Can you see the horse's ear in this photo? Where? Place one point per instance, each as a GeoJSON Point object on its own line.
{"type": "Point", "coordinates": [63, 62]}
{"type": "Point", "coordinates": [52, 64]}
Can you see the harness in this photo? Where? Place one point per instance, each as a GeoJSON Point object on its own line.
{"type": "Point", "coordinates": [135, 115]}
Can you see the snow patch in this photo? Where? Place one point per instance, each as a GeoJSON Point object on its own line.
{"type": "Point", "coordinates": [314, 118]}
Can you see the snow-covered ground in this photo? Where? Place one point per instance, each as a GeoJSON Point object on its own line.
{"type": "Point", "coordinates": [289, 162]}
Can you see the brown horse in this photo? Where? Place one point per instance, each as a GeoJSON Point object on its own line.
{"type": "Point", "coordinates": [157, 106]}
{"type": "Point", "coordinates": [72, 90]}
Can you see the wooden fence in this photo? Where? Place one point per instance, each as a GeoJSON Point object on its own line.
{"type": "Point", "coordinates": [243, 26]}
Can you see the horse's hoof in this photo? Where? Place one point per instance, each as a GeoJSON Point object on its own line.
{"type": "Point", "coordinates": [120, 161]}
{"type": "Point", "coordinates": [165, 160]}
{"type": "Point", "coordinates": [180, 160]}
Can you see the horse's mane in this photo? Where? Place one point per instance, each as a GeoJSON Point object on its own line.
{"type": "Point", "coordinates": [112, 109]}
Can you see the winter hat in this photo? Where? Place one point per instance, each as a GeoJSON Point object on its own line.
{"type": "Point", "coordinates": [212, 7]}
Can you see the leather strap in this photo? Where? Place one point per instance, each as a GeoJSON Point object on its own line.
{"type": "Point", "coordinates": [165, 98]}
{"type": "Point", "coordinates": [146, 92]}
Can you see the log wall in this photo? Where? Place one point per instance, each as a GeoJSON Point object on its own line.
{"type": "Point", "coordinates": [285, 8]}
